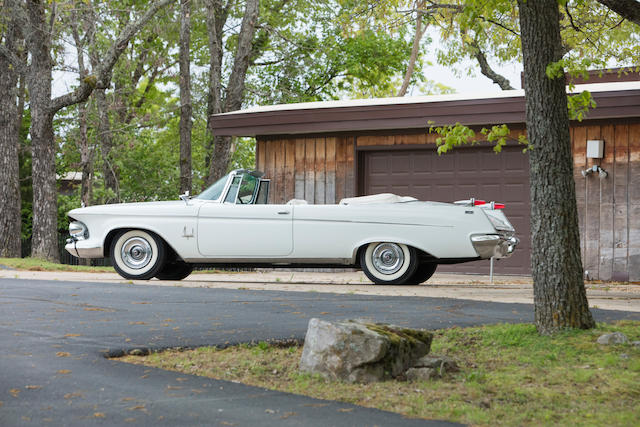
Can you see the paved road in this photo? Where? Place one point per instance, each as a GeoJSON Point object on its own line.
{"type": "Point", "coordinates": [55, 336]}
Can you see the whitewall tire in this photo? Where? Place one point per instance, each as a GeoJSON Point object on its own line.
{"type": "Point", "coordinates": [388, 263]}
{"type": "Point", "coordinates": [137, 254]}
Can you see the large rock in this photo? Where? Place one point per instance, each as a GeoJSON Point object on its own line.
{"type": "Point", "coordinates": [356, 351]}
{"type": "Point", "coordinates": [613, 338]}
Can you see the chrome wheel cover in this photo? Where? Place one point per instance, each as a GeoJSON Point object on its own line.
{"type": "Point", "coordinates": [387, 258]}
{"type": "Point", "coordinates": [136, 253]}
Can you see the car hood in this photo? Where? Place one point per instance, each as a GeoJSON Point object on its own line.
{"type": "Point", "coordinates": [142, 208]}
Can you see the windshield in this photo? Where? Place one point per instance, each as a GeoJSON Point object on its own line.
{"type": "Point", "coordinates": [215, 191]}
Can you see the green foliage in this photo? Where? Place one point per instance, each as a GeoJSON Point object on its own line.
{"type": "Point", "coordinates": [452, 136]}
{"type": "Point", "coordinates": [580, 104]}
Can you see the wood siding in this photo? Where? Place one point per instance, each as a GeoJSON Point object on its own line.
{"type": "Point", "coordinates": [323, 170]}
{"type": "Point", "coordinates": [316, 169]}
{"type": "Point", "coordinates": [609, 208]}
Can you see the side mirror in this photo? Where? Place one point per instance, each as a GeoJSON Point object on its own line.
{"type": "Point", "coordinates": [185, 197]}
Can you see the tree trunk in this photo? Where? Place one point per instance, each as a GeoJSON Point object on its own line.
{"type": "Point", "coordinates": [417, 37]}
{"type": "Point", "coordinates": [234, 95]}
{"type": "Point", "coordinates": [86, 154]}
{"type": "Point", "coordinates": [105, 136]}
{"type": "Point", "coordinates": [185, 96]}
{"type": "Point", "coordinates": [10, 233]}
{"type": "Point", "coordinates": [216, 19]}
{"type": "Point", "coordinates": [559, 295]}
{"type": "Point", "coordinates": [44, 243]}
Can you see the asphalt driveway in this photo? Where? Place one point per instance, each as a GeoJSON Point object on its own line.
{"type": "Point", "coordinates": [55, 336]}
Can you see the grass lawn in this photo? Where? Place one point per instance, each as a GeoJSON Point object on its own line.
{"type": "Point", "coordinates": [35, 264]}
{"type": "Point", "coordinates": [509, 376]}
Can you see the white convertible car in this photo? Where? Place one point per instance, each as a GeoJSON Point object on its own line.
{"type": "Point", "coordinates": [395, 240]}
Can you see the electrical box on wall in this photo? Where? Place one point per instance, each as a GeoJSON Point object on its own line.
{"type": "Point", "coordinates": [595, 149]}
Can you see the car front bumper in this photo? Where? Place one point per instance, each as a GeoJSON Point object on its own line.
{"type": "Point", "coordinates": [494, 245]}
{"type": "Point", "coordinates": [84, 249]}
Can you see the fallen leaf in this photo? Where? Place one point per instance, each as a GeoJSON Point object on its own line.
{"type": "Point", "coordinates": [287, 415]}
{"type": "Point", "coordinates": [137, 408]}
{"type": "Point", "coordinates": [73, 395]}
{"type": "Point", "coordinates": [63, 371]}
{"type": "Point", "coordinates": [137, 323]}
{"type": "Point", "coordinates": [72, 335]}
{"type": "Point", "coordinates": [269, 411]}
{"type": "Point", "coordinates": [324, 312]}
{"type": "Point", "coordinates": [63, 354]}
{"type": "Point", "coordinates": [140, 302]}
{"type": "Point", "coordinates": [345, 409]}
{"type": "Point", "coordinates": [128, 399]}
{"type": "Point", "coordinates": [182, 379]}
{"type": "Point", "coordinates": [129, 420]}
{"type": "Point", "coordinates": [99, 415]}
{"type": "Point", "coordinates": [14, 392]}
{"type": "Point", "coordinates": [33, 387]}
{"type": "Point", "coordinates": [316, 405]}
{"type": "Point", "coordinates": [226, 423]}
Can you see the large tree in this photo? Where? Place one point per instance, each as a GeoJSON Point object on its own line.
{"type": "Point", "coordinates": [560, 299]}
{"type": "Point", "coordinates": [185, 95]}
{"type": "Point", "coordinates": [43, 109]}
{"type": "Point", "coordinates": [10, 121]}
{"type": "Point", "coordinates": [231, 98]}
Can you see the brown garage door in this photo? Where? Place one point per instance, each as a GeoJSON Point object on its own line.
{"type": "Point", "coordinates": [463, 173]}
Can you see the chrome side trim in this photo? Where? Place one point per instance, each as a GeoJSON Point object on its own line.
{"type": "Point", "coordinates": [80, 252]}
{"type": "Point", "coordinates": [274, 261]}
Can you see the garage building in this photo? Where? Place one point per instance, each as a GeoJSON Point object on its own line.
{"type": "Point", "coordinates": [325, 151]}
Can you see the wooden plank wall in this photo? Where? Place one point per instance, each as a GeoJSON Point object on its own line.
{"type": "Point", "coordinates": [609, 209]}
{"type": "Point", "coordinates": [322, 170]}
{"type": "Point", "coordinates": [317, 169]}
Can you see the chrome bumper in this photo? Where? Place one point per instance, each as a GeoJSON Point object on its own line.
{"type": "Point", "coordinates": [494, 245]}
{"type": "Point", "coordinates": [82, 250]}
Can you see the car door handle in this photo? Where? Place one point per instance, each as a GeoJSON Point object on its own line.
{"type": "Point", "coordinates": [284, 212]}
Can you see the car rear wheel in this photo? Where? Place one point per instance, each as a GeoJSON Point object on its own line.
{"type": "Point", "coordinates": [387, 263]}
{"type": "Point", "coordinates": [137, 254]}
{"type": "Point", "coordinates": [423, 273]}
{"type": "Point", "coordinates": [174, 271]}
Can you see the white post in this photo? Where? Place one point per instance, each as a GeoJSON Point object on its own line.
{"type": "Point", "coordinates": [491, 271]}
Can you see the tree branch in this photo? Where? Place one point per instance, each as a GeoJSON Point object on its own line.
{"type": "Point", "coordinates": [628, 9]}
{"type": "Point", "coordinates": [102, 75]}
{"type": "Point", "coordinates": [15, 61]}
{"type": "Point", "coordinates": [486, 69]}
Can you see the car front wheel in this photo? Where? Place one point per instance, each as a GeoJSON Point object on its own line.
{"type": "Point", "coordinates": [137, 254]}
{"type": "Point", "coordinates": [387, 263]}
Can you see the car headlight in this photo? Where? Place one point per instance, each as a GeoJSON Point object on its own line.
{"type": "Point", "coordinates": [78, 230]}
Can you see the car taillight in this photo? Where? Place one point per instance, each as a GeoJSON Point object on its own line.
{"type": "Point", "coordinates": [478, 202]}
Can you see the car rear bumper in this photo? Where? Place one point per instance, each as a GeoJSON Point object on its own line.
{"type": "Point", "coordinates": [494, 245]}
